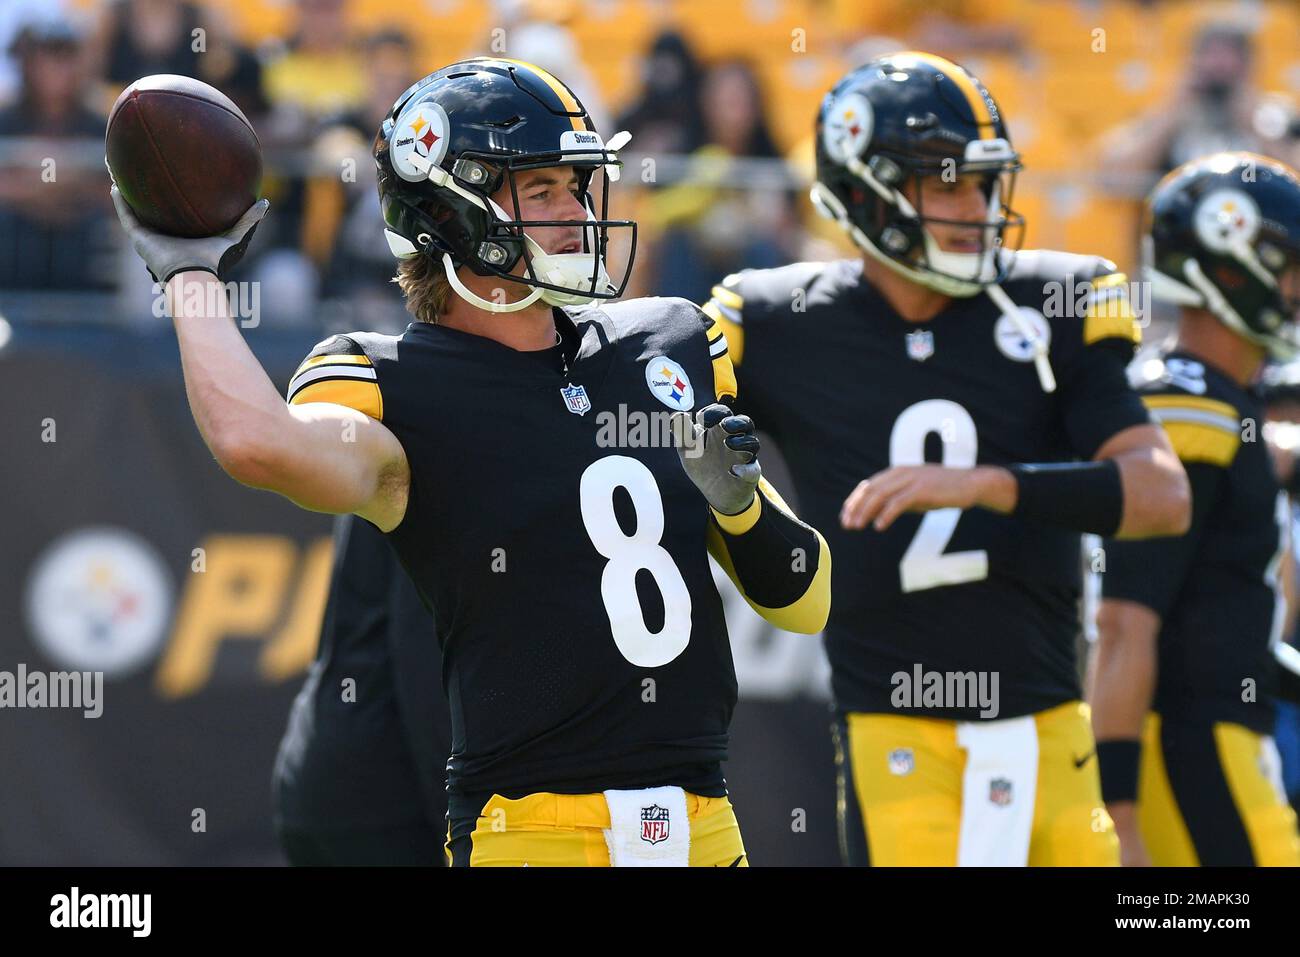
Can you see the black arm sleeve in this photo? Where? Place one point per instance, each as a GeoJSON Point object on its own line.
{"type": "Point", "coordinates": [1097, 401]}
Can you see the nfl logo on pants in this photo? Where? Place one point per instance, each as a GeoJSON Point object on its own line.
{"type": "Point", "coordinates": [654, 824]}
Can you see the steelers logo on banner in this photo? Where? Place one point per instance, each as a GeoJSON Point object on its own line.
{"type": "Point", "coordinates": [847, 128]}
{"type": "Point", "coordinates": [422, 130]}
{"type": "Point", "coordinates": [99, 599]}
{"type": "Point", "coordinates": [1226, 219]}
{"type": "Point", "coordinates": [670, 383]}
{"type": "Point", "coordinates": [1011, 342]}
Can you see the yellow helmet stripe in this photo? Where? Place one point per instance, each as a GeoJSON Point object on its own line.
{"type": "Point", "coordinates": [963, 81]}
{"type": "Point", "coordinates": [567, 99]}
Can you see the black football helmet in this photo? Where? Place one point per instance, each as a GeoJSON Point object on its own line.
{"type": "Point", "coordinates": [456, 137]}
{"type": "Point", "coordinates": [1220, 232]}
{"type": "Point", "coordinates": [918, 116]}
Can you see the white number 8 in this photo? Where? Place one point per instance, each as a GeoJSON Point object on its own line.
{"type": "Point", "coordinates": [629, 554]}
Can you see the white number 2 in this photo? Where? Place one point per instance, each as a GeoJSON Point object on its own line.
{"type": "Point", "coordinates": [924, 564]}
{"type": "Point", "coordinates": [629, 554]}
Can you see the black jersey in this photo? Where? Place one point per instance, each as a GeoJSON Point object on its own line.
{"type": "Point", "coordinates": [562, 553]}
{"type": "Point", "coordinates": [368, 738]}
{"type": "Point", "coordinates": [1216, 589]}
{"type": "Point", "coordinates": [848, 388]}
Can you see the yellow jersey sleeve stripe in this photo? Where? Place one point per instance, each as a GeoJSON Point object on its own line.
{"type": "Point", "coordinates": [329, 370]}
{"type": "Point", "coordinates": [359, 394]}
{"type": "Point", "coordinates": [342, 360]}
{"type": "Point", "coordinates": [1199, 403]}
{"type": "Point", "coordinates": [1195, 442]}
{"type": "Point", "coordinates": [1110, 314]}
{"type": "Point", "coordinates": [728, 297]}
{"type": "Point", "coordinates": [734, 332]}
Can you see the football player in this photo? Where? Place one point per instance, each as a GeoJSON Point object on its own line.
{"type": "Point", "coordinates": [565, 558]}
{"type": "Point", "coordinates": [360, 774]}
{"type": "Point", "coordinates": [1190, 628]}
{"type": "Point", "coordinates": [992, 423]}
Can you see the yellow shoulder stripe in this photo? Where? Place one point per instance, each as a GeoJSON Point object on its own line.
{"type": "Point", "coordinates": [359, 394]}
{"type": "Point", "coordinates": [1195, 442]}
{"type": "Point", "coordinates": [334, 361]}
{"type": "Point", "coordinates": [728, 297]}
{"type": "Point", "coordinates": [1200, 429]}
{"type": "Point", "coordinates": [734, 332]}
{"type": "Point", "coordinates": [1199, 403]}
{"type": "Point", "coordinates": [1110, 314]}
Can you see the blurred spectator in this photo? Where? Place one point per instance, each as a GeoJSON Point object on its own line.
{"type": "Point", "coordinates": [346, 230]}
{"type": "Point", "coordinates": [1217, 107]}
{"type": "Point", "coordinates": [951, 28]}
{"type": "Point", "coordinates": [136, 38]}
{"type": "Point", "coordinates": [233, 69]}
{"type": "Point", "coordinates": [716, 222]}
{"type": "Point", "coordinates": [732, 104]}
{"type": "Point", "coordinates": [14, 15]}
{"type": "Point", "coordinates": [666, 118]}
{"type": "Point", "coordinates": [53, 193]}
{"type": "Point", "coordinates": [320, 72]}
{"type": "Point", "coordinates": [551, 46]}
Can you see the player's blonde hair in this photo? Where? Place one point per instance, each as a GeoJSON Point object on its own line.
{"type": "Point", "coordinates": [423, 282]}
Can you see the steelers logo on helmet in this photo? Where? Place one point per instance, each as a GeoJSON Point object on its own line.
{"type": "Point", "coordinates": [1226, 219]}
{"type": "Point", "coordinates": [670, 383]}
{"type": "Point", "coordinates": [848, 126]}
{"type": "Point", "coordinates": [1011, 340]}
{"type": "Point", "coordinates": [419, 134]}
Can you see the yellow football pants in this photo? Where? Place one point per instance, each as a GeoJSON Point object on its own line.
{"type": "Point", "coordinates": [567, 830]}
{"type": "Point", "coordinates": [1209, 794]}
{"type": "Point", "coordinates": [902, 800]}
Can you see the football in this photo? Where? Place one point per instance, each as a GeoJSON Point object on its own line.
{"type": "Point", "coordinates": [184, 156]}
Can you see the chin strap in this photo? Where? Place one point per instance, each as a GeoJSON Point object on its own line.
{"type": "Point", "coordinates": [490, 305]}
{"type": "Point", "coordinates": [1036, 341]}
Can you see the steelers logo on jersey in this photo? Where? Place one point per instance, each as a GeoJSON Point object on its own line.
{"type": "Point", "coordinates": [1012, 342]}
{"type": "Point", "coordinates": [420, 135]}
{"type": "Point", "coordinates": [848, 127]}
{"type": "Point", "coordinates": [1227, 219]}
{"type": "Point", "coordinates": [670, 383]}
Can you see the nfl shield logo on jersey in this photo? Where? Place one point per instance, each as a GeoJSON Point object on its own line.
{"type": "Point", "coordinates": [920, 344]}
{"type": "Point", "coordinates": [575, 397]}
{"type": "Point", "coordinates": [1000, 792]}
{"type": "Point", "coordinates": [654, 824]}
{"type": "Point", "coordinates": [901, 761]}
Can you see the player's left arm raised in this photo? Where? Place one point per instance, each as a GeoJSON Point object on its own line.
{"type": "Point", "coordinates": [1128, 484]}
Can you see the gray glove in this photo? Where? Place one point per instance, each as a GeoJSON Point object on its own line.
{"type": "Point", "coordinates": [719, 452]}
{"type": "Point", "coordinates": [165, 256]}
